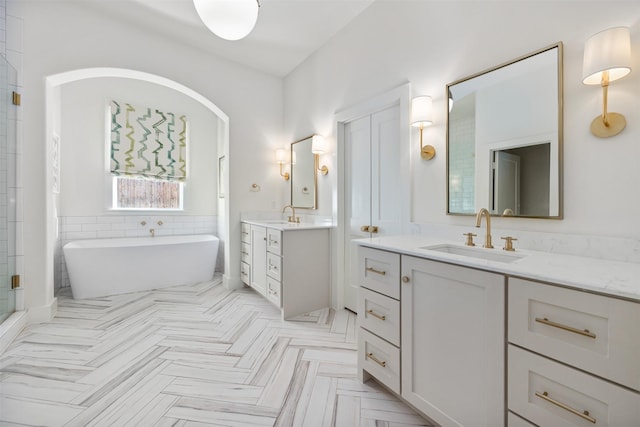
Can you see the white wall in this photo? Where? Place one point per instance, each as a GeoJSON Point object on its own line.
{"type": "Point", "coordinates": [60, 36]}
{"type": "Point", "coordinates": [83, 140]}
{"type": "Point", "coordinates": [431, 44]}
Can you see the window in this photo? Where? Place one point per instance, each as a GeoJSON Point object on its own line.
{"type": "Point", "coordinates": [147, 155]}
{"type": "Point", "coordinates": [145, 193]}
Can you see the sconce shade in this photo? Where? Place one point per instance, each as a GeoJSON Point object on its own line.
{"type": "Point", "coordinates": [318, 145]}
{"type": "Point", "coordinates": [281, 155]}
{"type": "Point", "coordinates": [421, 111]}
{"type": "Point", "coordinates": [228, 19]}
{"type": "Point", "coordinates": [608, 50]}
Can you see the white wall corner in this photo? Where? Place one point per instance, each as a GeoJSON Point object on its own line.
{"type": "Point", "coordinates": [43, 313]}
{"type": "Point", "coordinates": [232, 282]}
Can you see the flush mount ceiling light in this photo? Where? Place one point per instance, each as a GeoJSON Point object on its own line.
{"type": "Point", "coordinates": [228, 19]}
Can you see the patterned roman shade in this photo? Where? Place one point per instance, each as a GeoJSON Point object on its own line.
{"type": "Point", "coordinates": [148, 142]}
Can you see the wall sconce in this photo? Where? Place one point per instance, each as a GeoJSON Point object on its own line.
{"type": "Point", "coordinates": [281, 157]}
{"type": "Point", "coordinates": [318, 146]}
{"type": "Point", "coordinates": [607, 57]}
{"type": "Point", "coordinates": [421, 116]}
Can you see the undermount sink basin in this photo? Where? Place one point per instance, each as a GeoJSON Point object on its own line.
{"type": "Point", "coordinates": [486, 254]}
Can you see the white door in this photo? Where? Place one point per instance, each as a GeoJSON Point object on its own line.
{"type": "Point", "coordinates": [372, 180]}
{"type": "Point", "coordinates": [506, 183]}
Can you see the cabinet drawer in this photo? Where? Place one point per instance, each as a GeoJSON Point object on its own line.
{"type": "Point", "coordinates": [273, 291]}
{"type": "Point", "coordinates": [246, 232]}
{"type": "Point", "coordinates": [274, 266]}
{"type": "Point", "coordinates": [592, 332]}
{"type": "Point", "coordinates": [244, 273]}
{"type": "Point", "coordinates": [379, 271]}
{"type": "Point", "coordinates": [550, 394]}
{"type": "Point", "coordinates": [245, 253]}
{"type": "Point", "coordinates": [380, 315]}
{"type": "Point", "coordinates": [274, 241]}
{"type": "Point", "coordinates": [516, 421]}
{"type": "Point", "coordinates": [380, 359]}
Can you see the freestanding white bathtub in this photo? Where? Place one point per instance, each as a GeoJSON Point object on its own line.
{"type": "Point", "coordinates": [118, 266]}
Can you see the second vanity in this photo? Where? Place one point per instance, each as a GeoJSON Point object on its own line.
{"type": "Point", "coordinates": [486, 337]}
{"type": "Point", "coordinates": [287, 263]}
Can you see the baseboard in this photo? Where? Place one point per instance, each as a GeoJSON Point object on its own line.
{"type": "Point", "coordinates": [11, 327]}
{"type": "Point", "coordinates": [44, 313]}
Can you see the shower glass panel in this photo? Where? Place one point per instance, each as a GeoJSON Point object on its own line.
{"type": "Point", "coordinates": [8, 83]}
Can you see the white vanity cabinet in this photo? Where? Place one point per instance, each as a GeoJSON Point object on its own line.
{"type": "Point", "coordinates": [289, 267]}
{"type": "Point", "coordinates": [445, 353]}
{"type": "Point", "coordinates": [553, 330]}
{"type": "Point", "coordinates": [453, 327]}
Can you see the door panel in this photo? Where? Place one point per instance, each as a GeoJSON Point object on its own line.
{"type": "Point", "coordinates": [357, 137]}
{"type": "Point", "coordinates": [385, 172]}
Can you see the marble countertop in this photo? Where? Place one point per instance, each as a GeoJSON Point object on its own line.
{"type": "Point", "coordinates": [288, 226]}
{"type": "Point", "coordinates": [615, 278]}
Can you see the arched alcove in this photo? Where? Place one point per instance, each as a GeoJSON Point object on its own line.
{"type": "Point", "coordinates": [55, 84]}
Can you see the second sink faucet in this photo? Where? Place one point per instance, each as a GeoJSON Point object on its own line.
{"type": "Point", "coordinates": [293, 217]}
{"type": "Point", "coordinates": [487, 237]}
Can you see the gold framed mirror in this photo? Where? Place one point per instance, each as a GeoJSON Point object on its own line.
{"type": "Point", "coordinates": [504, 138]}
{"type": "Point", "coordinates": [304, 182]}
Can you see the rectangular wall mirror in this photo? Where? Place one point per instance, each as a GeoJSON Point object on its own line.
{"type": "Point", "coordinates": [303, 175]}
{"type": "Point", "coordinates": [504, 139]}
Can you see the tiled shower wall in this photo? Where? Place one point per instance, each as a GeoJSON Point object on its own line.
{"type": "Point", "coordinates": [115, 226]}
{"type": "Point", "coordinates": [12, 191]}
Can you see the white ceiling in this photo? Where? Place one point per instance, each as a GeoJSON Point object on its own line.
{"type": "Point", "coordinates": [287, 31]}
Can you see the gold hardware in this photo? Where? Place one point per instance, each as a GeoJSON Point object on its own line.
{"type": "Point", "coordinates": [15, 281]}
{"type": "Point", "coordinates": [584, 332]}
{"type": "Point", "coordinates": [285, 175]}
{"type": "Point", "coordinates": [293, 217]}
{"type": "Point", "coordinates": [16, 98]}
{"type": "Point", "coordinates": [373, 270]}
{"type": "Point", "coordinates": [487, 238]}
{"type": "Point", "coordinates": [143, 223]}
{"type": "Point", "coordinates": [405, 279]}
{"type": "Point", "coordinates": [153, 232]}
{"type": "Point", "coordinates": [324, 170]}
{"type": "Point", "coordinates": [508, 244]}
{"type": "Point", "coordinates": [470, 237]}
{"type": "Point", "coordinates": [427, 152]}
{"type": "Point", "coordinates": [379, 316]}
{"type": "Point", "coordinates": [584, 415]}
{"type": "Point", "coordinates": [364, 228]}
{"type": "Point", "coordinates": [373, 229]}
{"type": "Point", "coordinates": [378, 361]}
{"type": "Point", "coordinates": [160, 222]}
{"type": "Point", "coordinates": [507, 212]}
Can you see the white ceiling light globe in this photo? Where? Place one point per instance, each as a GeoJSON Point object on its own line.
{"type": "Point", "coordinates": [228, 19]}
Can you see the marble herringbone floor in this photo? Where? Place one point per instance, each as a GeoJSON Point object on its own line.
{"type": "Point", "coordinates": [190, 356]}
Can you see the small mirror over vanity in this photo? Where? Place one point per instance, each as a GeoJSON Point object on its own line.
{"type": "Point", "coordinates": [303, 175]}
{"type": "Point", "coordinates": [504, 138]}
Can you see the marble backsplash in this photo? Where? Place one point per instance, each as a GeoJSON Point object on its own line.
{"type": "Point", "coordinates": [590, 246]}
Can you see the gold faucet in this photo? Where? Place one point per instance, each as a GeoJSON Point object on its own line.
{"type": "Point", "coordinates": [293, 217]}
{"type": "Point", "coordinates": [153, 232]}
{"type": "Point", "coordinates": [487, 237]}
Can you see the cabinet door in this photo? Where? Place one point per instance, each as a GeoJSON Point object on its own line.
{"type": "Point", "coordinates": [453, 343]}
{"type": "Point", "coordinates": [258, 272]}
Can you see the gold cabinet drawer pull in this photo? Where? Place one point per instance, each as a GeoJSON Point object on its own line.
{"type": "Point", "coordinates": [379, 316]}
{"type": "Point", "coordinates": [364, 228]}
{"type": "Point", "coordinates": [373, 229]}
{"type": "Point", "coordinates": [548, 322]}
{"type": "Point", "coordinates": [373, 270]}
{"type": "Point", "coordinates": [584, 415]}
{"type": "Point", "coordinates": [378, 361]}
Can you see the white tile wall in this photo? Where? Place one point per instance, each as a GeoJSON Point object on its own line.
{"type": "Point", "coordinates": [118, 226]}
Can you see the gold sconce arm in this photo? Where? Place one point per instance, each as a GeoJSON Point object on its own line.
{"type": "Point", "coordinates": [322, 169]}
{"type": "Point", "coordinates": [426, 151]}
{"type": "Point", "coordinates": [285, 175]}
